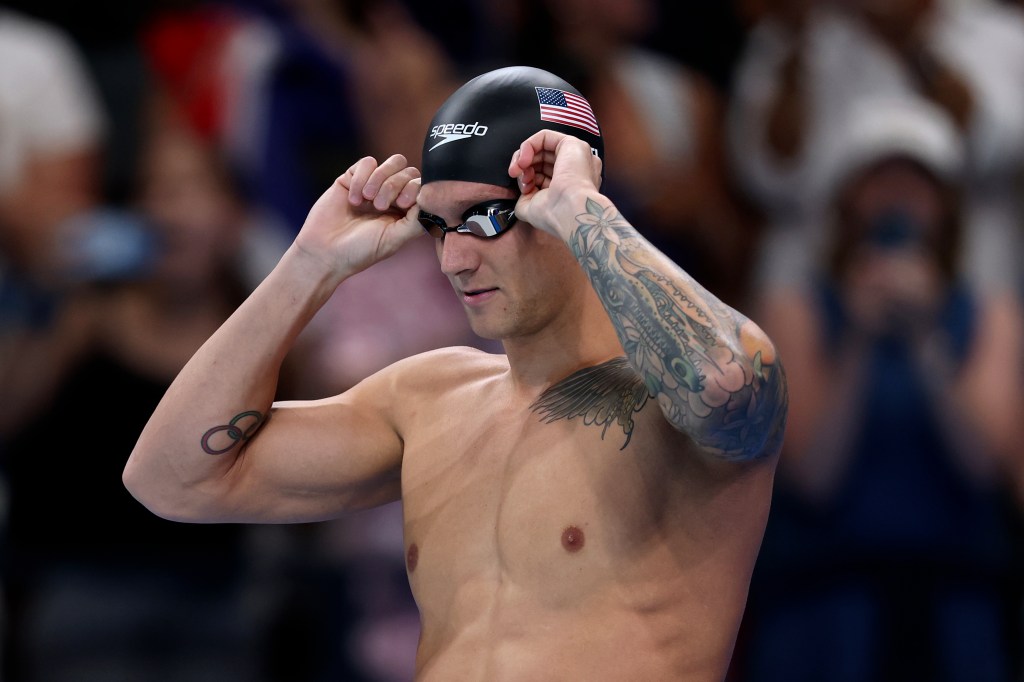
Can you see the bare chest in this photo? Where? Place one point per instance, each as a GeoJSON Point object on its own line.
{"type": "Point", "coordinates": [549, 509]}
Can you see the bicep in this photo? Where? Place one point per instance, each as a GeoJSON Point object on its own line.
{"type": "Point", "coordinates": [314, 460]}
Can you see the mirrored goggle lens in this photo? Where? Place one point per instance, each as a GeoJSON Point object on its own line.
{"type": "Point", "coordinates": [432, 225]}
{"type": "Point", "coordinates": [484, 222]}
{"type": "Point", "coordinates": [490, 225]}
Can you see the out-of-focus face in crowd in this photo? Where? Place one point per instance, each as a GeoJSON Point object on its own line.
{"type": "Point", "coordinates": [896, 246]}
{"type": "Point", "coordinates": [186, 196]}
{"type": "Point", "coordinates": [898, 186]}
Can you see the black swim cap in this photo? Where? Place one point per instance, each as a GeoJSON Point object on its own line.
{"type": "Point", "coordinates": [475, 132]}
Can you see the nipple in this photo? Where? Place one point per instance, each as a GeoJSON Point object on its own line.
{"type": "Point", "coordinates": [412, 557]}
{"type": "Point", "coordinates": [572, 539]}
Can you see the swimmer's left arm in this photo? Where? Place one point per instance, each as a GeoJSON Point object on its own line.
{"type": "Point", "coordinates": [715, 374]}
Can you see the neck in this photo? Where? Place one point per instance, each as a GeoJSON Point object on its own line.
{"type": "Point", "coordinates": [582, 336]}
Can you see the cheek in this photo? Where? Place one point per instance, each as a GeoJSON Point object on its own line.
{"type": "Point", "coordinates": [535, 266]}
{"type": "Point", "coordinates": [566, 270]}
{"type": "Point", "coordinates": [550, 283]}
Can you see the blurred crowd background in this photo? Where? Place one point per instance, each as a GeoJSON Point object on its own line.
{"type": "Point", "coordinates": [846, 172]}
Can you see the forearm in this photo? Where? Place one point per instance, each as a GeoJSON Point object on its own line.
{"type": "Point", "coordinates": [224, 394]}
{"type": "Point", "coordinates": [713, 372]}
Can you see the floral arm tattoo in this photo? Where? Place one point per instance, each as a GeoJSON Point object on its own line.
{"type": "Point", "coordinates": [695, 355]}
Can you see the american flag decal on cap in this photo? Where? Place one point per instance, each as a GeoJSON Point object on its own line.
{"type": "Point", "coordinates": [559, 106]}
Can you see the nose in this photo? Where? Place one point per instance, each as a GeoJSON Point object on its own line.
{"type": "Point", "coordinates": [458, 253]}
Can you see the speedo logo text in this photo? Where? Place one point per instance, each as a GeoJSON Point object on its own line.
{"type": "Point", "coordinates": [450, 132]}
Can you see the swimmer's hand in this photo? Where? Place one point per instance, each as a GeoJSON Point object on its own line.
{"type": "Point", "coordinates": [365, 216]}
{"type": "Point", "coordinates": [552, 170]}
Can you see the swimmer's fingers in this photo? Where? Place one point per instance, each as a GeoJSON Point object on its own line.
{"type": "Point", "coordinates": [537, 174]}
{"type": "Point", "coordinates": [398, 190]}
{"type": "Point", "coordinates": [355, 178]}
{"type": "Point", "coordinates": [399, 231]}
{"type": "Point", "coordinates": [544, 170]}
{"type": "Point", "coordinates": [386, 181]}
{"type": "Point", "coordinates": [393, 188]}
{"type": "Point", "coordinates": [534, 149]}
{"type": "Point", "coordinates": [548, 152]}
{"type": "Point", "coordinates": [408, 194]}
{"type": "Point", "coordinates": [541, 141]}
{"type": "Point", "coordinates": [380, 185]}
{"type": "Point", "coordinates": [366, 215]}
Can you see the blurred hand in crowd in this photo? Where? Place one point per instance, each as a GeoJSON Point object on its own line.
{"type": "Point", "coordinates": [893, 282]}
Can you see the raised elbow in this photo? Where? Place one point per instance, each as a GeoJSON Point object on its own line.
{"type": "Point", "coordinates": [746, 422]}
{"type": "Point", "coordinates": [154, 491]}
{"type": "Point", "coordinates": [145, 493]}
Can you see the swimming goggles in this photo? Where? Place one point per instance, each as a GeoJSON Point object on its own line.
{"type": "Point", "coordinates": [487, 219]}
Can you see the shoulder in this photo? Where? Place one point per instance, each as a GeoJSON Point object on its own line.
{"type": "Point", "coordinates": [441, 370]}
{"type": "Point", "coordinates": [419, 383]}
{"type": "Point", "coordinates": [421, 388]}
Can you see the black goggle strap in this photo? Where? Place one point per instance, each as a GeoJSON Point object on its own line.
{"type": "Point", "coordinates": [486, 220]}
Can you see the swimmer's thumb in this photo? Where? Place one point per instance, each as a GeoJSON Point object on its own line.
{"type": "Point", "coordinates": [406, 228]}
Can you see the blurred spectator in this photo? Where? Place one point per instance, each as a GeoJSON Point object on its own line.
{"type": "Point", "coordinates": [99, 588]}
{"type": "Point", "coordinates": [806, 66]}
{"type": "Point", "coordinates": [888, 552]}
{"type": "Point", "coordinates": [51, 130]}
{"type": "Point", "coordinates": [217, 64]}
{"type": "Point", "coordinates": [665, 163]}
{"type": "Point", "coordinates": [51, 127]}
{"type": "Point", "coordinates": [295, 91]}
{"type": "Point", "coordinates": [385, 55]}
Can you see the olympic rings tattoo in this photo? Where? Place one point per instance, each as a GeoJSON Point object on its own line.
{"type": "Point", "coordinates": [234, 432]}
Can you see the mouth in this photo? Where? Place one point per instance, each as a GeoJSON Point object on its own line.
{"type": "Point", "coordinates": [471, 296]}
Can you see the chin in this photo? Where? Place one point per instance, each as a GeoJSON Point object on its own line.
{"type": "Point", "coordinates": [505, 328]}
{"type": "Point", "coordinates": [488, 329]}
{"type": "Point", "coordinates": [494, 325]}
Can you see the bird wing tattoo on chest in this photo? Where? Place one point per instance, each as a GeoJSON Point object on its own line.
{"type": "Point", "coordinates": [601, 395]}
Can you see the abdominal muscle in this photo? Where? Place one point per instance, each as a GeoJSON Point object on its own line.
{"type": "Point", "coordinates": [516, 639]}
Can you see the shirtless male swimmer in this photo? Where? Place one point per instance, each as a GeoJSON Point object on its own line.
{"type": "Point", "coordinates": [586, 507]}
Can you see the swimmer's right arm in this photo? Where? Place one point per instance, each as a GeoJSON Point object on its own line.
{"type": "Point", "coordinates": [217, 449]}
